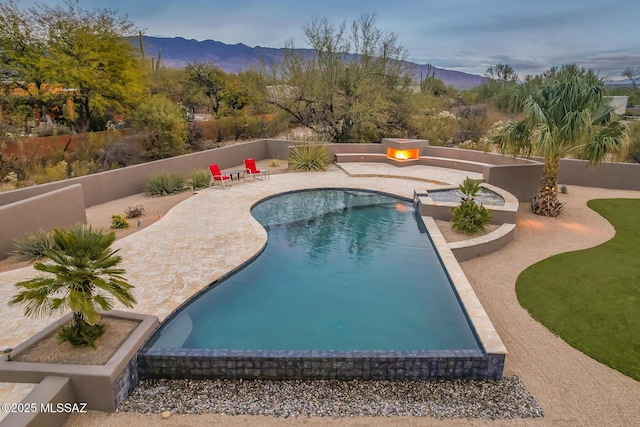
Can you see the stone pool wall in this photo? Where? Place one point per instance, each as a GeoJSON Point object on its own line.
{"type": "Point", "coordinates": [278, 365]}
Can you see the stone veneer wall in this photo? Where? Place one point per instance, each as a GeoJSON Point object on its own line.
{"type": "Point", "coordinates": [126, 382]}
{"type": "Point", "coordinates": [410, 365]}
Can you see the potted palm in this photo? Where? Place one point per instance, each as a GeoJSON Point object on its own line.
{"type": "Point", "coordinates": [82, 277]}
{"type": "Point", "coordinates": [80, 274]}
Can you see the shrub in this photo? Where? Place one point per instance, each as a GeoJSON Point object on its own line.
{"type": "Point", "coordinates": [118, 221]}
{"type": "Point", "coordinates": [309, 157]}
{"type": "Point", "coordinates": [163, 184]}
{"type": "Point", "coordinates": [134, 211]}
{"type": "Point", "coordinates": [33, 246]}
{"type": "Point", "coordinates": [198, 178]}
{"type": "Point", "coordinates": [81, 335]}
{"type": "Point", "coordinates": [163, 126]}
{"type": "Point", "coordinates": [468, 216]}
{"type": "Point", "coordinates": [274, 163]}
{"type": "Point", "coordinates": [633, 150]}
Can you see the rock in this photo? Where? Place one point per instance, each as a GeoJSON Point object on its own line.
{"type": "Point", "coordinates": [166, 414]}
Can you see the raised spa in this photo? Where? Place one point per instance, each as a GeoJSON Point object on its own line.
{"type": "Point", "coordinates": [485, 196]}
{"type": "Point", "coordinates": [348, 286]}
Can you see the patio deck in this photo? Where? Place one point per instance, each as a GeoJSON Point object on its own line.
{"type": "Point", "coordinates": [572, 388]}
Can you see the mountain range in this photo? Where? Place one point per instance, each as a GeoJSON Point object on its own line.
{"type": "Point", "coordinates": [177, 52]}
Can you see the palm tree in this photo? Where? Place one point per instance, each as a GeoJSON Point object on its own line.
{"type": "Point", "coordinates": [563, 113]}
{"type": "Point", "coordinates": [81, 277]}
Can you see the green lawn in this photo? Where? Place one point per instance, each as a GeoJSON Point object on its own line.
{"type": "Point", "coordinates": [591, 298]}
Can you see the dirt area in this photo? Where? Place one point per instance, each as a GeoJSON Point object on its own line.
{"type": "Point", "coordinates": [50, 350]}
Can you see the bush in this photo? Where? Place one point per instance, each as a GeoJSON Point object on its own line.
{"type": "Point", "coordinates": [81, 334]}
{"type": "Point", "coordinates": [309, 157]}
{"type": "Point", "coordinates": [199, 178]}
{"type": "Point", "coordinates": [118, 221]}
{"type": "Point", "coordinates": [469, 217]}
{"type": "Point", "coordinates": [33, 246]}
{"type": "Point", "coordinates": [162, 125]}
{"type": "Point", "coordinates": [134, 211]}
{"type": "Point", "coordinates": [633, 151]}
{"type": "Point", "coordinates": [163, 184]}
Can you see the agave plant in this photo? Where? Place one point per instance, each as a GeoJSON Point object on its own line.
{"type": "Point", "coordinates": [198, 179]}
{"type": "Point", "coordinates": [81, 276]}
{"type": "Point", "coordinates": [163, 184]}
{"type": "Point", "coordinates": [309, 157]}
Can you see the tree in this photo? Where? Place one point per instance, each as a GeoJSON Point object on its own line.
{"type": "Point", "coordinates": [503, 73]}
{"type": "Point", "coordinates": [83, 53]}
{"type": "Point", "coordinates": [80, 276]}
{"type": "Point", "coordinates": [497, 86]}
{"type": "Point", "coordinates": [210, 79]}
{"type": "Point", "coordinates": [163, 125]}
{"type": "Point", "coordinates": [352, 86]}
{"type": "Point", "coordinates": [564, 113]}
{"type": "Point", "coordinates": [632, 74]}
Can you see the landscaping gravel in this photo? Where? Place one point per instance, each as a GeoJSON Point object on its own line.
{"type": "Point", "coordinates": [502, 399]}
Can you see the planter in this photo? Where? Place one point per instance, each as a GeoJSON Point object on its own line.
{"type": "Point", "coordinates": [101, 387]}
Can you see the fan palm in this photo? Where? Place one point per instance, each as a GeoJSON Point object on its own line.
{"type": "Point", "coordinates": [563, 113]}
{"type": "Point", "coordinates": [81, 276]}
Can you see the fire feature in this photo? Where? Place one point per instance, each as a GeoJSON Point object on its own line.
{"type": "Point", "coordinates": [403, 150]}
{"type": "Point", "coordinates": [403, 154]}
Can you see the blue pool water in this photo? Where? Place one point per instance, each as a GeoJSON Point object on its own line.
{"type": "Point", "coordinates": [342, 271]}
{"type": "Point", "coordinates": [485, 196]}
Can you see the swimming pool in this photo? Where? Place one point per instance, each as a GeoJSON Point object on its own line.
{"type": "Point", "coordinates": [347, 286]}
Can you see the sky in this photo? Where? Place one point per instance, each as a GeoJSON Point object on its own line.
{"type": "Point", "coordinates": [463, 35]}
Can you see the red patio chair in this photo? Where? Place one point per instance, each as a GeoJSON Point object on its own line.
{"type": "Point", "coordinates": [252, 170]}
{"type": "Point", "coordinates": [216, 175]}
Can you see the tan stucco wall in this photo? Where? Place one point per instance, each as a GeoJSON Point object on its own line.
{"type": "Point", "coordinates": [58, 208]}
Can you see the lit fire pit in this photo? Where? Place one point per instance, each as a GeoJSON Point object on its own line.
{"type": "Point", "coordinates": [403, 150]}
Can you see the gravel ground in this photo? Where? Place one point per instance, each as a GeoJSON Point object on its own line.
{"type": "Point", "coordinates": [503, 399]}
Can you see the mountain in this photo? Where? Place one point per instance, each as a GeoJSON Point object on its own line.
{"type": "Point", "coordinates": [178, 52]}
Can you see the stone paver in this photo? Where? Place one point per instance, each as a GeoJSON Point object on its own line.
{"type": "Point", "coordinates": [207, 236]}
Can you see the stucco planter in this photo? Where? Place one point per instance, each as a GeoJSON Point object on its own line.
{"type": "Point", "coordinates": [101, 387]}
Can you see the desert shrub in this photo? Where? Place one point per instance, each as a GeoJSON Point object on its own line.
{"type": "Point", "coordinates": [134, 211]}
{"type": "Point", "coordinates": [82, 168]}
{"type": "Point", "coordinates": [118, 221]}
{"type": "Point", "coordinates": [33, 246]}
{"type": "Point", "coordinates": [633, 150]}
{"type": "Point", "coordinates": [309, 157]}
{"type": "Point", "coordinates": [469, 217]}
{"type": "Point", "coordinates": [274, 163]}
{"type": "Point", "coordinates": [56, 172]}
{"type": "Point", "coordinates": [439, 128]}
{"type": "Point", "coordinates": [163, 127]}
{"type": "Point", "coordinates": [195, 136]}
{"type": "Point", "coordinates": [124, 152]}
{"type": "Point", "coordinates": [163, 184]}
{"type": "Point", "coordinates": [198, 178]}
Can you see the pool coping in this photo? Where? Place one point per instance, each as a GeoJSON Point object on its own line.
{"type": "Point", "coordinates": [286, 364]}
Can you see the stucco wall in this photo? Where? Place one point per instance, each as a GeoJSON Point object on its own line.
{"type": "Point", "coordinates": [59, 208]}
{"type": "Point", "coordinates": [622, 176]}
{"type": "Point", "coordinates": [521, 180]}
{"type": "Point", "coordinates": [114, 184]}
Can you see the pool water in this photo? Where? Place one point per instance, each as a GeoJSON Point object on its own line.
{"type": "Point", "coordinates": [485, 196]}
{"type": "Point", "coordinates": [341, 271]}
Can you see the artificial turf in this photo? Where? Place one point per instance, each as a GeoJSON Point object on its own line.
{"type": "Point", "coordinates": [591, 298]}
